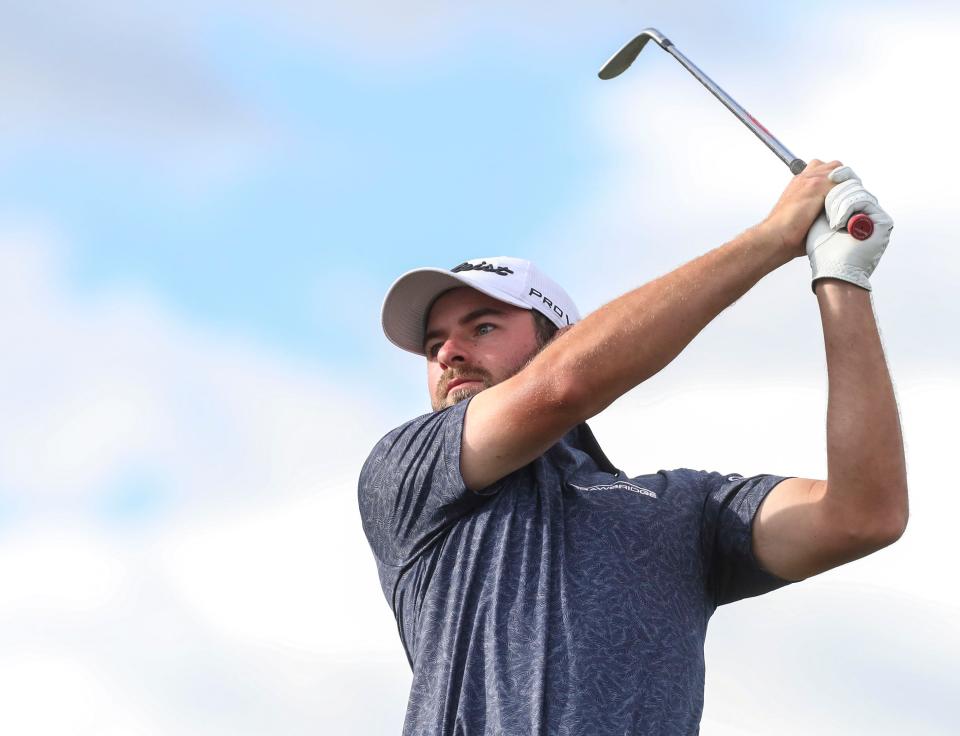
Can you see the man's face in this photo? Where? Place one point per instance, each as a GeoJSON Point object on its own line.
{"type": "Point", "coordinates": [474, 341]}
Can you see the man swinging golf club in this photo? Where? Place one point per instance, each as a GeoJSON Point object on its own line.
{"type": "Point", "coordinates": [539, 590]}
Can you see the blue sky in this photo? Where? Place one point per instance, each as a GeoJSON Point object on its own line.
{"type": "Point", "coordinates": [201, 208]}
{"type": "Point", "coordinates": [336, 168]}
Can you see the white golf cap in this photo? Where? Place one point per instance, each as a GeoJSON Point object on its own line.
{"type": "Point", "coordinates": [511, 280]}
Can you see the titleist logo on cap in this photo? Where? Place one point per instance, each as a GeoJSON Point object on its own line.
{"type": "Point", "coordinates": [482, 266]}
{"type": "Point", "coordinates": [410, 299]}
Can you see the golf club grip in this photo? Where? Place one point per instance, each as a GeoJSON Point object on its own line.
{"type": "Point", "coordinates": [859, 226]}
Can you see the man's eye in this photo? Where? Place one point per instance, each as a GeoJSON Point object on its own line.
{"type": "Point", "coordinates": [433, 350]}
{"type": "Point", "coordinates": [481, 329]}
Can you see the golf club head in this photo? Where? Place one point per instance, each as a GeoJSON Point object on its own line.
{"type": "Point", "coordinates": [621, 61]}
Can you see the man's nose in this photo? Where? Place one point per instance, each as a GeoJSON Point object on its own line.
{"type": "Point", "coordinates": [453, 350]}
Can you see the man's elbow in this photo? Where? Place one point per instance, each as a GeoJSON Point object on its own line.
{"type": "Point", "coordinates": [899, 514]}
{"type": "Point", "coordinates": [876, 520]}
{"type": "Point", "coordinates": [884, 524]}
{"type": "Point", "coordinates": [895, 526]}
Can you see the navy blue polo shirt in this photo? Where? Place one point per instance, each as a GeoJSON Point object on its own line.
{"type": "Point", "coordinates": [564, 599]}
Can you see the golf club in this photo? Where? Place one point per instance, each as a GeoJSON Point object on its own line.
{"type": "Point", "coordinates": [860, 226]}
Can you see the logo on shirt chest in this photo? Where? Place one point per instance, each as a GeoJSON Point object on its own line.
{"type": "Point", "coordinates": [619, 485]}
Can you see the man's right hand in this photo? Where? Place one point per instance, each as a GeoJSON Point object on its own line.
{"type": "Point", "coordinates": [799, 205]}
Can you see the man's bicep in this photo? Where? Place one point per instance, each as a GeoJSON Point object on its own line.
{"type": "Point", "coordinates": [511, 424]}
{"type": "Point", "coordinates": [796, 535]}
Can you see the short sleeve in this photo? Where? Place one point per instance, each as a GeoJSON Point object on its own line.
{"type": "Point", "coordinates": [410, 488]}
{"type": "Point", "coordinates": [730, 506]}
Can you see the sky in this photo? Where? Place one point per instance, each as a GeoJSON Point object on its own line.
{"type": "Point", "coordinates": [201, 208]}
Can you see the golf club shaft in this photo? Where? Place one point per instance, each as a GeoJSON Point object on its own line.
{"type": "Point", "coordinates": [795, 164]}
{"type": "Point", "coordinates": [860, 226]}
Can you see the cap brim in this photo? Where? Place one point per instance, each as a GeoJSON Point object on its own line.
{"type": "Point", "coordinates": [405, 308]}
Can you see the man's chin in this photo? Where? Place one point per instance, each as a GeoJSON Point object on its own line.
{"type": "Point", "coordinates": [461, 393]}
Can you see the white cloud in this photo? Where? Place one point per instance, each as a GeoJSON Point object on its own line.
{"type": "Point", "coordinates": [69, 570]}
{"type": "Point", "coordinates": [832, 657]}
{"type": "Point", "coordinates": [295, 575]}
{"type": "Point", "coordinates": [244, 623]}
{"type": "Point", "coordinates": [124, 78]}
{"type": "Point", "coordinates": [99, 390]}
{"type": "Point", "coordinates": [84, 703]}
{"type": "Point", "coordinates": [246, 602]}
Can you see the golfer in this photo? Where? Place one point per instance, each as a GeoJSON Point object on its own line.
{"type": "Point", "coordinates": [537, 588]}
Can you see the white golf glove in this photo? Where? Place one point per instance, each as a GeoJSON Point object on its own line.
{"type": "Point", "coordinates": [833, 252]}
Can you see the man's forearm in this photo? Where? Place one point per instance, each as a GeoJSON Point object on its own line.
{"type": "Point", "coordinates": [866, 471]}
{"type": "Point", "coordinates": [633, 337]}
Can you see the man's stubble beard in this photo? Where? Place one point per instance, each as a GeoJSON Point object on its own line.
{"type": "Point", "coordinates": [462, 393]}
{"type": "Point", "coordinates": [444, 400]}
